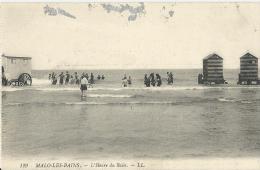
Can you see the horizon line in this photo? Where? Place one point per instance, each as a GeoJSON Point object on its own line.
{"type": "Point", "coordinates": [131, 69]}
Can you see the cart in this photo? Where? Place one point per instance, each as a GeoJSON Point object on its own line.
{"type": "Point", "coordinates": [16, 71]}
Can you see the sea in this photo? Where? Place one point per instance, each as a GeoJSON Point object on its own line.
{"type": "Point", "coordinates": [183, 120]}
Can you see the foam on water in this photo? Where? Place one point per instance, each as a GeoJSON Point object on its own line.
{"type": "Point", "coordinates": [109, 95]}
{"type": "Point", "coordinates": [246, 102]}
{"type": "Point", "coordinates": [232, 100]}
{"type": "Point", "coordinates": [172, 88]}
{"type": "Point", "coordinates": [227, 100]}
{"type": "Point", "coordinates": [45, 85]}
{"type": "Point", "coordinates": [122, 103]}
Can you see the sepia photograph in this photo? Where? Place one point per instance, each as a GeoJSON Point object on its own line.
{"type": "Point", "coordinates": [134, 85]}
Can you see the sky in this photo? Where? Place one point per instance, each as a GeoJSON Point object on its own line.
{"type": "Point", "coordinates": [129, 36]}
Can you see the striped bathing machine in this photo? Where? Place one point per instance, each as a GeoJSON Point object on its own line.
{"type": "Point", "coordinates": [248, 70]}
{"type": "Point", "coordinates": [212, 70]}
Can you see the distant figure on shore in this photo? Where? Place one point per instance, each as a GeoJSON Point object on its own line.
{"type": "Point", "coordinates": [98, 77]}
{"type": "Point", "coordinates": [103, 77]}
{"type": "Point", "coordinates": [61, 78]}
{"type": "Point", "coordinates": [158, 80]}
{"type": "Point", "coordinates": [124, 81]}
{"type": "Point", "coordinates": [146, 81]}
{"type": "Point", "coordinates": [76, 77]}
{"type": "Point", "coordinates": [83, 86]}
{"type": "Point", "coordinates": [152, 79]}
{"type": "Point", "coordinates": [129, 80]}
{"type": "Point", "coordinates": [67, 78]}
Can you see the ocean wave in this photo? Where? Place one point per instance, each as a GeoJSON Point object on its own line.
{"type": "Point", "coordinates": [246, 102]}
{"type": "Point", "coordinates": [44, 85]}
{"type": "Point", "coordinates": [119, 103]}
{"type": "Point", "coordinates": [56, 88]}
{"type": "Point", "coordinates": [109, 95]}
{"type": "Point", "coordinates": [232, 100]}
{"type": "Point", "coordinates": [227, 100]}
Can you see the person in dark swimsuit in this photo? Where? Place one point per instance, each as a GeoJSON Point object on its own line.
{"type": "Point", "coordinates": [61, 78]}
{"type": "Point", "coordinates": [4, 79]}
{"type": "Point", "coordinates": [54, 79]}
{"type": "Point", "coordinates": [152, 79]}
{"type": "Point", "coordinates": [76, 78]}
{"type": "Point", "coordinates": [146, 81]}
{"type": "Point", "coordinates": [124, 81]}
{"type": "Point", "coordinates": [91, 78]}
{"type": "Point", "coordinates": [171, 77]}
{"type": "Point", "coordinates": [158, 80]}
{"type": "Point", "coordinates": [129, 80]}
{"type": "Point", "coordinates": [67, 78]}
{"type": "Point", "coordinates": [87, 76]}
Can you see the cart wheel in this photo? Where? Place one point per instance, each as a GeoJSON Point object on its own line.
{"type": "Point", "coordinates": [12, 83]}
{"type": "Point", "coordinates": [21, 83]}
{"type": "Point", "coordinates": [25, 78]}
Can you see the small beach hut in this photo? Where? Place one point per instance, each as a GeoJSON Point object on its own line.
{"type": "Point", "coordinates": [248, 70]}
{"type": "Point", "coordinates": [213, 69]}
{"type": "Point", "coordinates": [17, 70]}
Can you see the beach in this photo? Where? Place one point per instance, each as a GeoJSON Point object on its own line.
{"type": "Point", "coordinates": [184, 120]}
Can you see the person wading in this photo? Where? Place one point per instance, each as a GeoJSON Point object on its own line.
{"type": "Point", "coordinates": [61, 78]}
{"type": "Point", "coordinates": [158, 80]}
{"type": "Point", "coordinates": [67, 78]}
{"type": "Point", "coordinates": [83, 86]}
{"type": "Point", "coordinates": [146, 81]}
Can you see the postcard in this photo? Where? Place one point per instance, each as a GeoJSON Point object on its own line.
{"type": "Point", "coordinates": [130, 86]}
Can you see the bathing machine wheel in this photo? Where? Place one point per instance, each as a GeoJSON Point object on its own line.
{"type": "Point", "coordinates": [24, 79]}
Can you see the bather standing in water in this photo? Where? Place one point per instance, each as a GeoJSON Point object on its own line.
{"type": "Point", "coordinates": [124, 81]}
{"type": "Point", "coordinates": [129, 80]}
{"type": "Point", "coordinates": [146, 81]}
{"type": "Point", "coordinates": [87, 76]}
{"type": "Point", "coordinates": [50, 76]}
{"type": "Point", "coordinates": [67, 78]}
{"type": "Point", "coordinates": [72, 80]}
{"type": "Point", "coordinates": [76, 77]}
{"type": "Point", "coordinates": [83, 75]}
{"type": "Point", "coordinates": [158, 80]}
{"type": "Point", "coordinates": [168, 78]}
{"type": "Point", "coordinates": [61, 78]}
{"type": "Point", "coordinates": [91, 78]}
{"type": "Point", "coordinates": [83, 86]}
{"type": "Point", "coordinates": [152, 79]}
{"type": "Point", "coordinates": [171, 77]}
{"type": "Point", "coordinates": [54, 79]}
